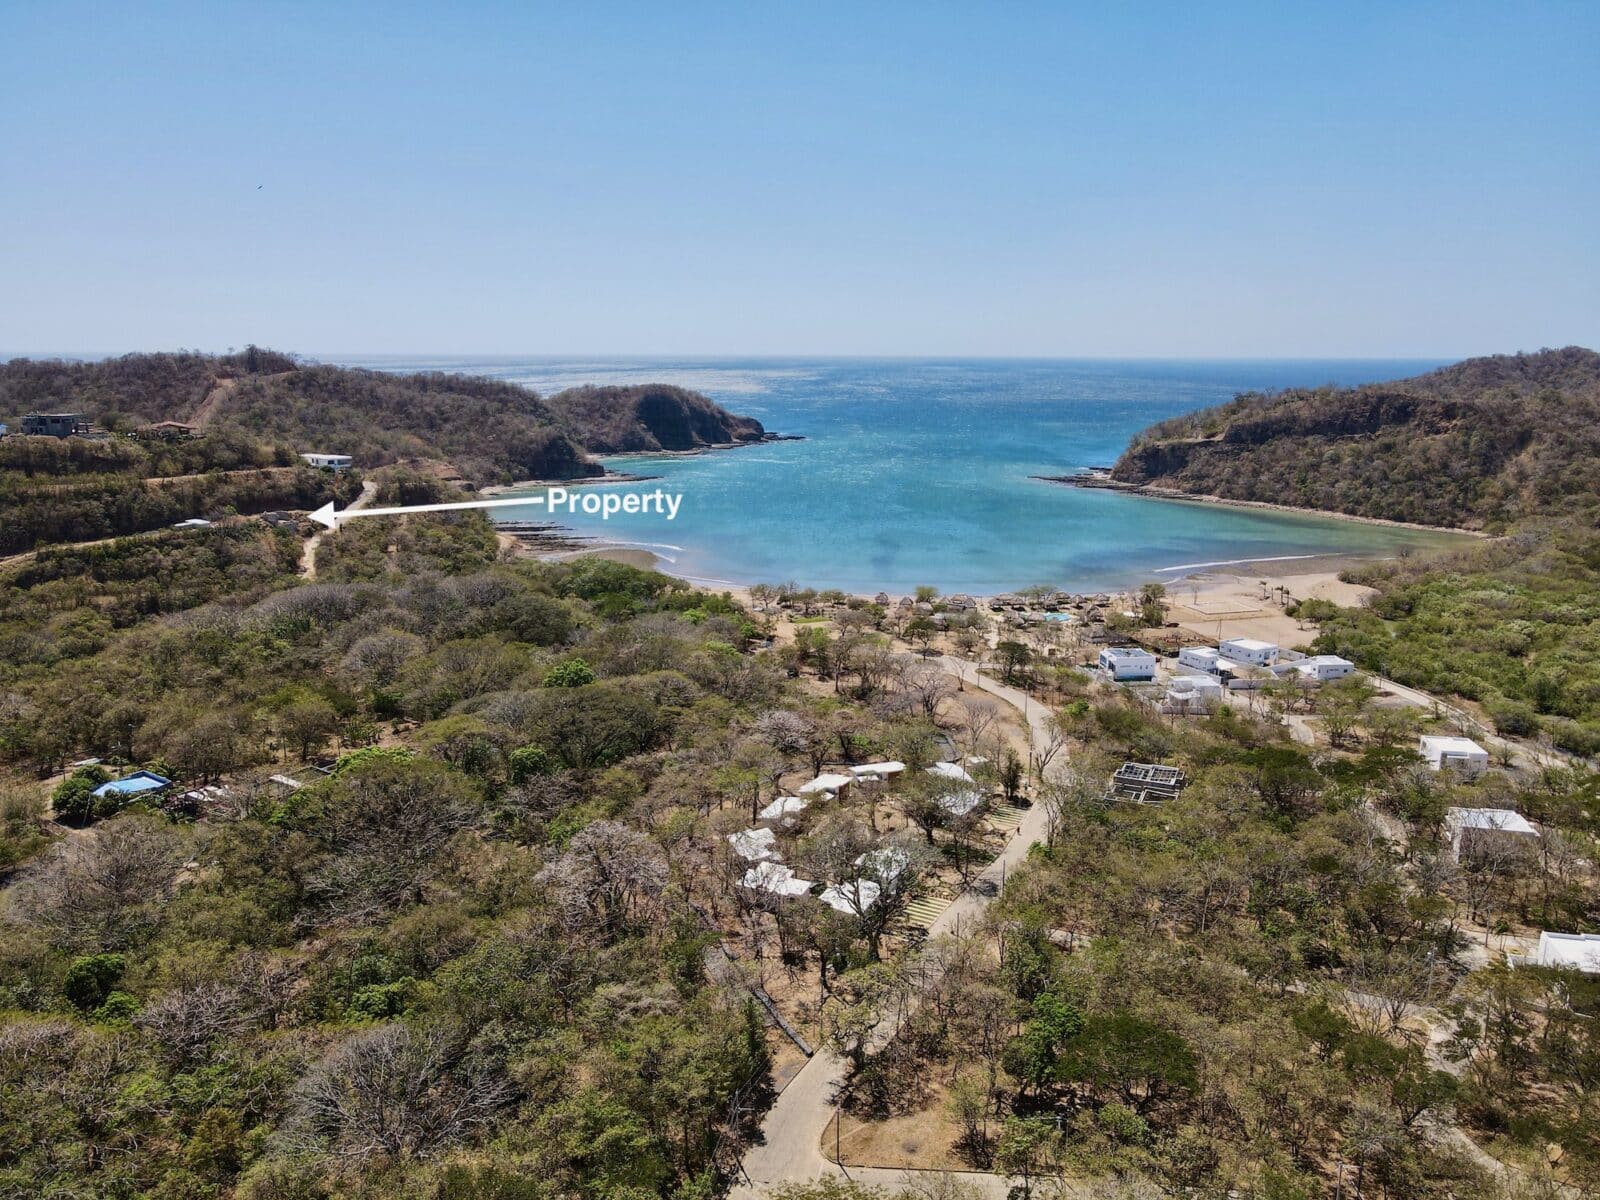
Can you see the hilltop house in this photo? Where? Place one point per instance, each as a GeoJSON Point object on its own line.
{"type": "Point", "coordinates": [329, 462]}
{"type": "Point", "coordinates": [1128, 664]}
{"type": "Point", "coordinates": [56, 425]}
{"type": "Point", "coordinates": [1459, 754]}
{"type": "Point", "coordinates": [1478, 833]}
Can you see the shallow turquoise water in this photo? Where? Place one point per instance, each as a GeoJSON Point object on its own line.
{"type": "Point", "coordinates": [916, 472]}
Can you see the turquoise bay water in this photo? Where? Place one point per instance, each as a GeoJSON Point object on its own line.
{"type": "Point", "coordinates": [919, 471]}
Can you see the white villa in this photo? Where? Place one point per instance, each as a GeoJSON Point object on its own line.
{"type": "Point", "coordinates": [1200, 658]}
{"type": "Point", "coordinates": [1128, 664]}
{"type": "Point", "coordinates": [950, 770]}
{"type": "Point", "coordinates": [784, 809]}
{"type": "Point", "coordinates": [754, 845]}
{"type": "Point", "coordinates": [1248, 651]}
{"type": "Point", "coordinates": [1574, 951]}
{"type": "Point", "coordinates": [1478, 832]}
{"type": "Point", "coordinates": [832, 784]}
{"type": "Point", "coordinates": [1459, 754]}
{"type": "Point", "coordinates": [775, 878]}
{"type": "Point", "coordinates": [876, 772]}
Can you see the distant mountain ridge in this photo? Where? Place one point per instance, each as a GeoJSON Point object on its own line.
{"type": "Point", "coordinates": [1479, 444]}
{"type": "Point", "coordinates": [487, 429]}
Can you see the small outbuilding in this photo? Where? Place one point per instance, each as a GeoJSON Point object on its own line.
{"type": "Point", "coordinates": [855, 896]}
{"type": "Point", "coordinates": [1322, 667]}
{"type": "Point", "coordinates": [329, 462]}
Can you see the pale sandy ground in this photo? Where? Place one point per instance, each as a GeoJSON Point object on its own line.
{"type": "Point", "coordinates": [1243, 601]}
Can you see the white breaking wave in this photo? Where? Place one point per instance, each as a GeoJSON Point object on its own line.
{"type": "Point", "coordinates": [1232, 562]}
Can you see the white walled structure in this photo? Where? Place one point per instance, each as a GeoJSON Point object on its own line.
{"type": "Point", "coordinates": [1128, 664]}
{"type": "Point", "coordinates": [1459, 754]}
{"type": "Point", "coordinates": [1200, 658]}
{"type": "Point", "coordinates": [1248, 651]}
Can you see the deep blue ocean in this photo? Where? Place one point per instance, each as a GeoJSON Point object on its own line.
{"type": "Point", "coordinates": [920, 471]}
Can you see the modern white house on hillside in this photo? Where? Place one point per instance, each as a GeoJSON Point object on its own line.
{"type": "Point", "coordinates": [1128, 664]}
{"type": "Point", "coordinates": [1459, 754]}
{"type": "Point", "coordinates": [1477, 833]}
{"type": "Point", "coordinates": [330, 462]}
{"type": "Point", "coordinates": [1249, 651]}
{"type": "Point", "coordinates": [1574, 951]}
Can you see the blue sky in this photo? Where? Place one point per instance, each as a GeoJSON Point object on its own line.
{"type": "Point", "coordinates": [984, 179]}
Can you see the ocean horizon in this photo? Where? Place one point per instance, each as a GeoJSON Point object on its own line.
{"type": "Point", "coordinates": [926, 471]}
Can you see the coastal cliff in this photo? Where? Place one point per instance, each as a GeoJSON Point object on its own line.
{"type": "Point", "coordinates": [485, 430]}
{"type": "Point", "coordinates": [1480, 444]}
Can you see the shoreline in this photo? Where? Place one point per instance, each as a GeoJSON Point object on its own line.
{"type": "Point", "coordinates": [1100, 480]}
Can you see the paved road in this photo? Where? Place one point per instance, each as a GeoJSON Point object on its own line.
{"type": "Point", "coordinates": [792, 1132]}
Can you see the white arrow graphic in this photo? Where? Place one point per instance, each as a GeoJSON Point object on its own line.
{"type": "Point", "coordinates": [326, 516]}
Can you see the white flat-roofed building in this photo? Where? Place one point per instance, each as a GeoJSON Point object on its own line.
{"type": "Point", "coordinates": [329, 462]}
{"type": "Point", "coordinates": [1323, 667]}
{"type": "Point", "coordinates": [775, 878]}
{"type": "Point", "coordinates": [754, 845]}
{"type": "Point", "coordinates": [1200, 658]}
{"type": "Point", "coordinates": [1477, 833]}
{"type": "Point", "coordinates": [876, 772]}
{"type": "Point", "coordinates": [1459, 754]}
{"type": "Point", "coordinates": [1128, 664]}
{"type": "Point", "coordinates": [1573, 951]}
{"type": "Point", "coordinates": [1194, 693]}
{"type": "Point", "coordinates": [885, 864]}
{"type": "Point", "coordinates": [1249, 651]}
{"type": "Point", "coordinates": [828, 782]}
{"type": "Point", "coordinates": [784, 809]}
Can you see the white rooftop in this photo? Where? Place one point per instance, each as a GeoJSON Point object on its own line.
{"type": "Point", "coordinates": [1489, 818]}
{"type": "Point", "coordinates": [1244, 643]}
{"type": "Point", "coordinates": [854, 897]}
{"type": "Point", "coordinates": [1324, 660]}
{"type": "Point", "coordinates": [776, 878]}
{"type": "Point", "coordinates": [1580, 951]}
{"type": "Point", "coordinates": [959, 804]}
{"type": "Point", "coordinates": [948, 770]}
{"type": "Point", "coordinates": [886, 862]}
{"type": "Point", "coordinates": [783, 806]}
{"type": "Point", "coordinates": [1131, 652]}
{"type": "Point", "coordinates": [878, 768]}
{"type": "Point", "coordinates": [1451, 745]}
{"type": "Point", "coordinates": [825, 783]}
{"type": "Point", "coordinates": [754, 844]}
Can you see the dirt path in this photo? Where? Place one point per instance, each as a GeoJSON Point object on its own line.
{"type": "Point", "coordinates": [791, 1146]}
{"type": "Point", "coordinates": [308, 554]}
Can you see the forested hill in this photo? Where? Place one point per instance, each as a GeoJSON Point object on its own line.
{"type": "Point", "coordinates": [488, 430]}
{"type": "Point", "coordinates": [1480, 444]}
